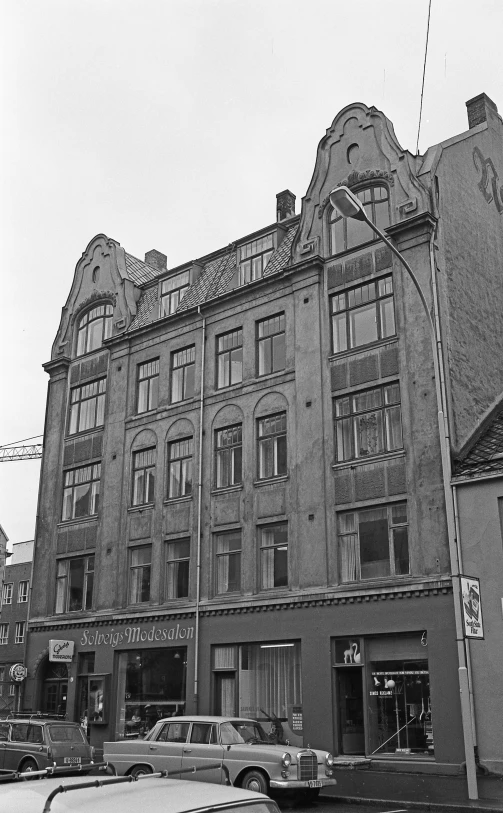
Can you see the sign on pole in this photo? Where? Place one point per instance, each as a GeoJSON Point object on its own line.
{"type": "Point", "coordinates": [472, 607]}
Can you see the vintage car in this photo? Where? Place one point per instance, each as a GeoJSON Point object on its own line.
{"type": "Point", "coordinates": [223, 744]}
{"type": "Point", "coordinates": [32, 743]}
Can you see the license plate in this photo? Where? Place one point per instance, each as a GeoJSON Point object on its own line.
{"type": "Point", "coordinates": [315, 783]}
{"type": "Point", "coordinates": [72, 760]}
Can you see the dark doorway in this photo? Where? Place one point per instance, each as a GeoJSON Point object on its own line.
{"type": "Point", "coordinates": [54, 688]}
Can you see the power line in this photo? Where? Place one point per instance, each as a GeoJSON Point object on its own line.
{"type": "Point", "coordinates": [424, 73]}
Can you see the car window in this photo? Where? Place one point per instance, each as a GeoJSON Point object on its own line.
{"type": "Point", "coordinates": [242, 731]}
{"type": "Point", "coordinates": [4, 732]}
{"type": "Point", "coordinates": [203, 733]}
{"type": "Point", "coordinates": [19, 732]}
{"type": "Point", "coordinates": [173, 732]}
{"type": "Point", "coordinates": [66, 733]}
{"type": "Point", "coordinates": [35, 734]}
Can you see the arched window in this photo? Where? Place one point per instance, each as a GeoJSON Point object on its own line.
{"type": "Point", "coordinates": [346, 233]}
{"type": "Point", "coordinates": [94, 327]}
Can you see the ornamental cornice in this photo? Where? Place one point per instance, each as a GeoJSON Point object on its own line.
{"type": "Point", "coordinates": [355, 178]}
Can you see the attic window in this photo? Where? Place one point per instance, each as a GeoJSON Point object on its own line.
{"type": "Point", "coordinates": [346, 233]}
{"type": "Point", "coordinates": [173, 290]}
{"type": "Point", "coordinates": [253, 258]}
{"type": "Point", "coordinates": [94, 327]}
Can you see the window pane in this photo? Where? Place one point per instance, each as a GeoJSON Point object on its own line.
{"type": "Point", "coordinates": [357, 232]}
{"type": "Point", "coordinates": [348, 557]}
{"type": "Point", "coordinates": [81, 500]}
{"type": "Point", "coordinates": [237, 365]}
{"type": "Point", "coordinates": [177, 385]}
{"type": "Point", "coordinates": [279, 353]}
{"type": "Point", "coordinates": [399, 513]}
{"type": "Point", "coordinates": [344, 439]}
{"type": "Point", "coordinates": [368, 434]}
{"type": "Point", "coordinates": [281, 455]}
{"type": "Point", "coordinates": [76, 587]}
{"type": "Point", "coordinates": [339, 322]}
{"type": "Point", "coordinates": [190, 376]}
{"type": "Point", "coordinates": [401, 549]}
{"type": "Point", "coordinates": [143, 396]}
{"type": "Point", "coordinates": [363, 325]}
{"type": "Point", "coordinates": [394, 428]}
{"type": "Point", "coordinates": [266, 458]}
{"type": "Point", "coordinates": [264, 357]}
{"type": "Point", "coordinates": [374, 544]}
{"type": "Point", "coordinates": [387, 318]}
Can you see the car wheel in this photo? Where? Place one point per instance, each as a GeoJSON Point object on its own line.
{"type": "Point", "coordinates": [28, 766]}
{"type": "Point", "coordinates": [140, 770]}
{"type": "Point", "coordinates": [310, 795]}
{"type": "Point", "coordinates": [256, 781]}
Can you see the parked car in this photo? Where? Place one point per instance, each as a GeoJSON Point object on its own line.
{"type": "Point", "coordinates": [240, 745]}
{"type": "Point", "coordinates": [155, 794]}
{"type": "Point", "coordinates": [34, 743]}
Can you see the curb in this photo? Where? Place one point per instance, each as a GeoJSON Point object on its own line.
{"type": "Point", "coordinates": [463, 807]}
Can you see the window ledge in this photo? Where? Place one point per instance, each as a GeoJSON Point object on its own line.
{"type": "Point", "coordinates": [92, 431]}
{"type": "Point", "coordinates": [361, 461]}
{"type": "Point", "coordinates": [65, 523]}
{"type": "Point", "coordinates": [226, 489]}
{"type": "Point", "coordinates": [270, 481]}
{"type": "Point", "coordinates": [136, 508]}
{"type": "Point", "coordinates": [363, 348]}
{"type": "Point", "coordinates": [266, 376]}
{"type": "Point", "coordinates": [230, 387]}
{"type": "Point", "coordinates": [171, 500]}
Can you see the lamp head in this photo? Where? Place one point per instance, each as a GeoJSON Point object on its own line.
{"type": "Point", "coordinates": [347, 203]}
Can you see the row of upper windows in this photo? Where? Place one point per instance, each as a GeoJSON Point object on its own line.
{"type": "Point", "coordinates": [372, 543]}
{"type": "Point", "coordinates": [8, 592]}
{"type": "Point", "coordinates": [19, 633]}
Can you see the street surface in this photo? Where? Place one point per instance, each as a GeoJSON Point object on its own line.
{"type": "Point", "coordinates": [324, 805]}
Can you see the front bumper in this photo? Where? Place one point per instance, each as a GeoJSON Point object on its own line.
{"type": "Point", "coordinates": [296, 784]}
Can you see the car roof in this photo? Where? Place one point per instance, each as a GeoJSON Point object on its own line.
{"type": "Point", "coordinates": [206, 718]}
{"type": "Point", "coordinates": [150, 793]}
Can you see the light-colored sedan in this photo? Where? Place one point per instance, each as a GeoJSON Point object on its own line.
{"type": "Point", "coordinates": [214, 747]}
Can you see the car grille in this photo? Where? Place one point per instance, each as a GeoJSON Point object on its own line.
{"type": "Point", "coordinates": [307, 767]}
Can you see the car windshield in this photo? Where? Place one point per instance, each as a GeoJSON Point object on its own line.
{"type": "Point", "coordinates": [255, 807]}
{"type": "Point", "coordinates": [66, 733]}
{"type": "Point", "coordinates": [242, 731]}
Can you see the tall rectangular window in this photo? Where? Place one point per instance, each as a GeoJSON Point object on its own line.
{"type": "Point", "coordinates": [230, 358]}
{"type": "Point", "coordinates": [144, 476]}
{"type": "Point", "coordinates": [368, 423]}
{"type": "Point", "coordinates": [363, 315]}
{"type": "Point", "coordinates": [373, 543]}
{"type": "Point", "coordinates": [139, 575]}
{"type": "Point", "coordinates": [228, 456]}
{"type": "Point", "coordinates": [274, 556]}
{"type": "Point", "coordinates": [148, 386]}
{"type": "Point", "coordinates": [87, 406]}
{"type": "Point", "coordinates": [253, 258]}
{"type": "Point", "coordinates": [271, 344]}
{"type": "Point", "coordinates": [183, 372]}
{"type": "Point", "coordinates": [228, 564]}
{"type": "Point", "coordinates": [348, 232]}
{"type": "Point", "coordinates": [180, 453]}
{"type": "Point", "coordinates": [177, 569]}
{"type": "Point", "coordinates": [81, 492]}
{"type": "Point", "coordinates": [173, 290]}
{"type": "Point", "coordinates": [272, 446]}
{"type": "Point", "coordinates": [19, 632]}
{"type": "Point", "coordinates": [74, 584]}
{"type": "Point", "coordinates": [4, 634]}
{"type": "Point", "coordinates": [22, 593]}
{"type": "Point", "coordinates": [7, 590]}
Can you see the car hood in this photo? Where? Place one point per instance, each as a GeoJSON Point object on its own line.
{"type": "Point", "coordinates": [274, 751]}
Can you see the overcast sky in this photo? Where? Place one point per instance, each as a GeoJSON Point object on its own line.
{"type": "Point", "coordinates": [172, 124]}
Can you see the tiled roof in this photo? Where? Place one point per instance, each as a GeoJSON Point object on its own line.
{"type": "Point", "coordinates": [138, 271]}
{"type": "Point", "coordinates": [147, 309]}
{"type": "Point", "coordinates": [486, 454]}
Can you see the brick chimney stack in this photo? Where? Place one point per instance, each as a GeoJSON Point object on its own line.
{"type": "Point", "coordinates": [156, 259]}
{"type": "Point", "coordinates": [285, 205]}
{"type": "Point", "coordinates": [480, 108]}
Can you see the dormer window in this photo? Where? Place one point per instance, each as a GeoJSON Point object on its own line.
{"type": "Point", "coordinates": [253, 258]}
{"type": "Point", "coordinates": [94, 327]}
{"type": "Point", "coordinates": [173, 290]}
{"type": "Point", "coordinates": [346, 233]}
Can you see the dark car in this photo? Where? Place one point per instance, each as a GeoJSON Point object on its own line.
{"type": "Point", "coordinates": [32, 744]}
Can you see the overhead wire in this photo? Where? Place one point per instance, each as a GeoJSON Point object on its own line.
{"type": "Point", "coordinates": [424, 74]}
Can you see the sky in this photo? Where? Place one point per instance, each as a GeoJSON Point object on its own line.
{"type": "Point", "coordinates": [172, 124]}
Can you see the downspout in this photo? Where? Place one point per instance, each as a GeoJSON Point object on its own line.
{"type": "Point", "coordinates": [199, 510]}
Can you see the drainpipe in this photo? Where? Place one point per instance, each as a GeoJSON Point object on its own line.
{"type": "Point", "coordinates": [199, 510]}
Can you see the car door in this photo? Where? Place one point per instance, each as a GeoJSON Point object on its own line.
{"type": "Point", "coordinates": [165, 752]}
{"type": "Point", "coordinates": [204, 753]}
{"type": "Point", "coordinates": [4, 738]}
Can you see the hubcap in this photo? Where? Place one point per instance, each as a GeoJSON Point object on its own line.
{"type": "Point", "coordinates": [254, 785]}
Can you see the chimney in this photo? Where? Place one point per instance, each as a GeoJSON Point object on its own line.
{"type": "Point", "coordinates": [480, 108]}
{"type": "Point", "coordinates": [285, 205]}
{"type": "Point", "coordinates": [156, 259]}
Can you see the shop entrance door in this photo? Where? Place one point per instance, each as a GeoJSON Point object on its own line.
{"type": "Point", "coordinates": [225, 694]}
{"type": "Point", "coordinates": [350, 704]}
{"type": "Point", "coordinates": [55, 689]}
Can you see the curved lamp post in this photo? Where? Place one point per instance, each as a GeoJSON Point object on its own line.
{"type": "Point", "coordinates": [349, 205]}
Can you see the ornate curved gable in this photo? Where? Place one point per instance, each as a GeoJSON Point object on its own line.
{"type": "Point", "coordinates": [358, 149]}
{"type": "Point", "coordinates": [100, 275]}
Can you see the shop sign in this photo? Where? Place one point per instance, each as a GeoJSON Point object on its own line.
{"type": "Point", "coordinates": [61, 651]}
{"type": "Point", "coordinates": [136, 635]}
{"type": "Point", "coordinates": [18, 672]}
{"type": "Point", "coordinates": [297, 721]}
{"type": "Point", "coordinates": [472, 608]}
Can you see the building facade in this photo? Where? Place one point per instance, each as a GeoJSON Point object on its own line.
{"type": "Point", "coordinates": [13, 625]}
{"type": "Point", "coordinates": [242, 507]}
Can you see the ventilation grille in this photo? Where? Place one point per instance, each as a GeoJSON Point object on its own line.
{"type": "Point", "coordinates": [308, 766]}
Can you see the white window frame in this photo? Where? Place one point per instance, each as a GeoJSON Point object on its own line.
{"type": "Point", "coordinates": [20, 632]}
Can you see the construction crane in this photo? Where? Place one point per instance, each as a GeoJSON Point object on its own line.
{"type": "Point", "coordinates": [11, 452]}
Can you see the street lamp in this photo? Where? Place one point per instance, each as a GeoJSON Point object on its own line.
{"type": "Point", "coordinates": [349, 205]}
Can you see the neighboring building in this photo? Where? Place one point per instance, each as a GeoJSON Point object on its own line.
{"type": "Point", "coordinates": [13, 623]}
{"type": "Point", "coordinates": [3, 552]}
{"type": "Point", "coordinates": [479, 490]}
{"type": "Point", "coordinates": [241, 506]}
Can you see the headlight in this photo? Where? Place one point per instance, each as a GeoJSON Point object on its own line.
{"type": "Point", "coordinates": [286, 760]}
{"type": "Point", "coordinates": [329, 760]}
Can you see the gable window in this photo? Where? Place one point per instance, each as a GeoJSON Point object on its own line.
{"type": "Point", "coordinates": [272, 446]}
{"type": "Point", "coordinates": [7, 593]}
{"type": "Point", "coordinates": [346, 233]}
{"type": "Point", "coordinates": [139, 575]}
{"type": "Point", "coordinates": [368, 423]}
{"type": "Point", "coordinates": [144, 476]}
{"type": "Point", "coordinates": [180, 454]}
{"type": "Point", "coordinates": [274, 556]}
{"type": "Point", "coordinates": [74, 584]}
{"type": "Point", "coordinates": [81, 492]}
{"type": "Point", "coordinates": [271, 344]}
{"type": "Point", "coordinates": [19, 632]}
{"type": "Point", "coordinates": [228, 564]}
{"type": "Point", "coordinates": [373, 543]}
{"type": "Point", "coordinates": [87, 406]}
{"type": "Point", "coordinates": [183, 371]}
{"type": "Point", "coordinates": [253, 258]}
{"type": "Point", "coordinates": [173, 290]}
{"type": "Point", "coordinates": [22, 593]}
{"type": "Point", "coordinates": [4, 634]}
{"type": "Point", "coordinates": [148, 386]}
{"type": "Point", "coordinates": [230, 358]}
{"type": "Point", "coordinates": [228, 456]}
{"type": "Point", "coordinates": [363, 315]}
{"type": "Point", "coordinates": [177, 569]}
{"type": "Point", "coordinates": [94, 327]}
